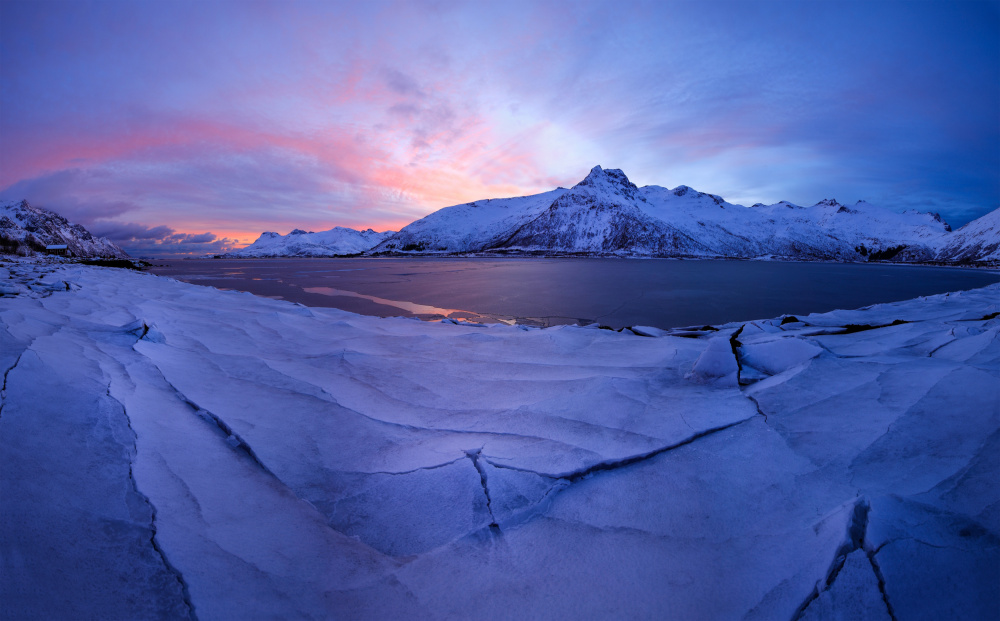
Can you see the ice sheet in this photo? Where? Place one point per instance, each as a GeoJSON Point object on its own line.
{"type": "Point", "coordinates": [173, 450]}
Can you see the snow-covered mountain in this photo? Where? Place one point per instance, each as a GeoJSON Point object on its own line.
{"type": "Point", "coordinates": [977, 241]}
{"type": "Point", "coordinates": [25, 228]}
{"type": "Point", "coordinates": [337, 241]}
{"type": "Point", "coordinates": [606, 214]}
{"type": "Point", "coordinates": [472, 226]}
{"type": "Point", "coordinates": [601, 214]}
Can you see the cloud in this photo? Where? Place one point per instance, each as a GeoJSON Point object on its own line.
{"type": "Point", "coordinates": [130, 231]}
{"type": "Point", "coordinates": [73, 193]}
{"type": "Point", "coordinates": [361, 119]}
{"type": "Point", "coordinates": [161, 241]}
{"type": "Point", "coordinates": [177, 245]}
{"type": "Point", "coordinates": [401, 84]}
{"type": "Point", "coordinates": [187, 238]}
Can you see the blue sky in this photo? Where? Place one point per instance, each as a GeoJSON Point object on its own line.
{"type": "Point", "coordinates": [192, 127]}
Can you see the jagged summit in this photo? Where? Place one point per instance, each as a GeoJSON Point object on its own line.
{"type": "Point", "coordinates": [25, 229]}
{"type": "Point", "coordinates": [608, 182]}
{"type": "Point", "coordinates": [600, 215]}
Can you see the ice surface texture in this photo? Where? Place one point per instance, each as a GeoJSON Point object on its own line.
{"type": "Point", "coordinates": [169, 450]}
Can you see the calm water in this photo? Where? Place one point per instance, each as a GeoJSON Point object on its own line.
{"type": "Point", "coordinates": [613, 292]}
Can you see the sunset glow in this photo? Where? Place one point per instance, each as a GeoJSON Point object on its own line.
{"type": "Point", "coordinates": [161, 123]}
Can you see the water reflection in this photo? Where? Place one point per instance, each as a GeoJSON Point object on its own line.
{"type": "Point", "coordinates": [544, 292]}
{"type": "Point", "coordinates": [412, 307]}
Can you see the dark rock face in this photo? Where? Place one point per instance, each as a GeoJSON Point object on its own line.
{"type": "Point", "coordinates": [25, 229]}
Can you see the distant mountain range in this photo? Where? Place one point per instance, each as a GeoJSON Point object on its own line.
{"type": "Point", "coordinates": [608, 215]}
{"type": "Point", "coordinates": [603, 215]}
{"type": "Point", "coordinates": [25, 229]}
{"type": "Point", "coordinates": [338, 241]}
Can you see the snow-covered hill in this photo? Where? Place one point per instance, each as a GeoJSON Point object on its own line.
{"type": "Point", "coordinates": [26, 229]}
{"type": "Point", "coordinates": [977, 241]}
{"type": "Point", "coordinates": [337, 241]}
{"type": "Point", "coordinates": [606, 214]}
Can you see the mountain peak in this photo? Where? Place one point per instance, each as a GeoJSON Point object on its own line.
{"type": "Point", "coordinates": [609, 181]}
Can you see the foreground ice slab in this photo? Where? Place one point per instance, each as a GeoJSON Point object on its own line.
{"type": "Point", "coordinates": [173, 450]}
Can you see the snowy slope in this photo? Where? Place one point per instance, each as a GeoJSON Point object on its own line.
{"type": "Point", "coordinates": [469, 227]}
{"type": "Point", "coordinates": [162, 454]}
{"type": "Point", "coordinates": [977, 241]}
{"type": "Point", "coordinates": [599, 215]}
{"type": "Point", "coordinates": [24, 228]}
{"type": "Point", "coordinates": [857, 232]}
{"type": "Point", "coordinates": [826, 230]}
{"type": "Point", "coordinates": [337, 241]}
{"type": "Point", "coordinates": [605, 214]}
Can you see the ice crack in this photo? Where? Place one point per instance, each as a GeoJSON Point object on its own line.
{"type": "Point", "coordinates": [734, 343]}
{"type": "Point", "coordinates": [881, 582]}
{"type": "Point", "coordinates": [3, 389]}
{"type": "Point", "coordinates": [628, 461]}
{"type": "Point", "coordinates": [232, 438]}
{"type": "Point", "coordinates": [11, 368]}
{"type": "Point", "coordinates": [411, 471]}
{"type": "Point", "coordinates": [857, 532]}
{"type": "Point", "coordinates": [573, 477]}
{"type": "Point", "coordinates": [757, 405]}
{"type": "Point", "coordinates": [951, 333]}
{"type": "Point", "coordinates": [474, 456]}
{"type": "Point", "coordinates": [185, 592]}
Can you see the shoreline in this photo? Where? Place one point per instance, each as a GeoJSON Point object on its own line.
{"type": "Point", "coordinates": [529, 255]}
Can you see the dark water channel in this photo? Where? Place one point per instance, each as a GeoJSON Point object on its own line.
{"type": "Point", "coordinates": [613, 292]}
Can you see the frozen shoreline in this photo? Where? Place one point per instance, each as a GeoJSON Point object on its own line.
{"type": "Point", "coordinates": [312, 462]}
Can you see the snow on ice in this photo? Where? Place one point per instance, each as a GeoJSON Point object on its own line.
{"type": "Point", "coordinates": [173, 450]}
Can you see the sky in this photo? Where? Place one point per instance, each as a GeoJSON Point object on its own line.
{"type": "Point", "coordinates": [191, 127]}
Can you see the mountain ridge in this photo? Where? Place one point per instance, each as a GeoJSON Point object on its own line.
{"type": "Point", "coordinates": [608, 215]}
{"type": "Point", "coordinates": [338, 241]}
{"type": "Point", "coordinates": [26, 229]}
{"type": "Point", "coordinates": [604, 215]}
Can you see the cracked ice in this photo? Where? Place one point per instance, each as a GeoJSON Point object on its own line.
{"type": "Point", "coordinates": [174, 450]}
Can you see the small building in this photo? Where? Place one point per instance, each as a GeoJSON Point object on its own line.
{"type": "Point", "coordinates": [59, 249]}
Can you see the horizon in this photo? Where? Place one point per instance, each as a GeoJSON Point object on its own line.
{"type": "Point", "coordinates": [186, 128]}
